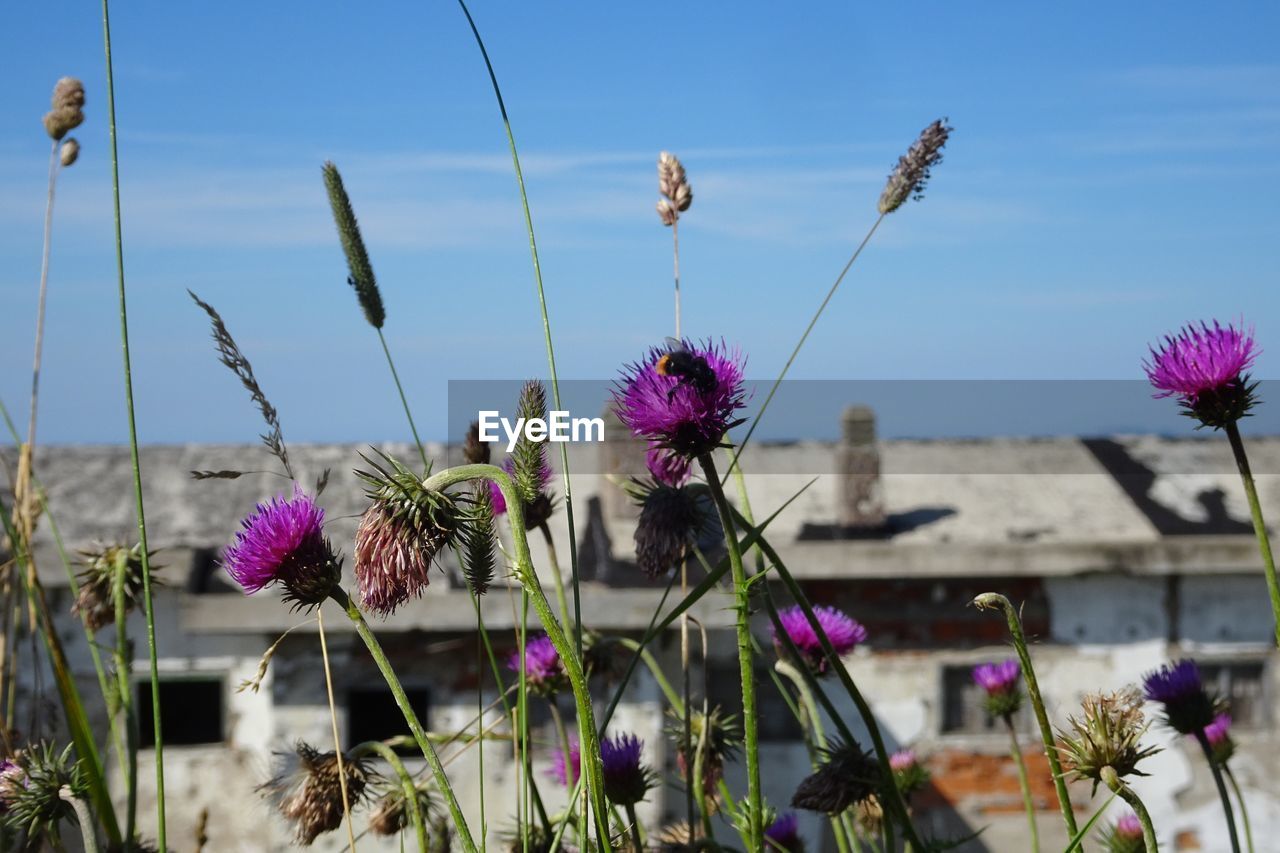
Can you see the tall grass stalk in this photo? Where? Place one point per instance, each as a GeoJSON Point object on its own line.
{"type": "Point", "coordinates": [404, 401]}
{"type": "Point", "coordinates": [1025, 784]}
{"type": "Point", "coordinates": [1244, 811]}
{"type": "Point", "coordinates": [128, 714]}
{"type": "Point", "coordinates": [337, 739]}
{"type": "Point", "coordinates": [546, 322]}
{"type": "Point", "coordinates": [148, 608]}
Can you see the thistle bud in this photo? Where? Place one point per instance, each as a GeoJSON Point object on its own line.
{"type": "Point", "coordinates": [95, 602]}
{"type": "Point", "coordinates": [69, 152]}
{"type": "Point", "coordinates": [31, 788]}
{"type": "Point", "coordinates": [626, 778]}
{"type": "Point", "coordinates": [909, 177]}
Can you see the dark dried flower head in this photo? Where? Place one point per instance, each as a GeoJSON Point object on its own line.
{"type": "Point", "coordinates": [474, 450]}
{"type": "Point", "coordinates": [1205, 369]}
{"type": "Point", "coordinates": [843, 632]}
{"type": "Point", "coordinates": [544, 672]}
{"type": "Point", "coordinates": [1107, 734]}
{"type": "Point", "coordinates": [283, 542]}
{"type": "Point", "coordinates": [626, 778]}
{"type": "Point", "coordinates": [361, 279]}
{"type": "Point", "coordinates": [670, 522]}
{"type": "Point", "coordinates": [848, 774]}
{"type": "Point", "coordinates": [69, 152]}
{"type": "Point", "coordinates": [68, 105]}
{"type": "Point", "coordinates": [31, 788]}
{"type": "Point", "coordinates": [400, 534]}
{"type": "Point", "coordinates": [784, 834]}
{"type": "Point", "coordinates": [308, 791]}
{"type": "Point", "coordinates": [1188, 707]}
{"type": "Point", "coordinates": [673, 184]}
{"type": "Point", "coordinates": [909, 177]}
{"type": "Point", "coordinates": [391, 813]}
{"type": "Point", "coordinates": [1003, 684]}
{"type": "Point", "coordinates": [95, 603]}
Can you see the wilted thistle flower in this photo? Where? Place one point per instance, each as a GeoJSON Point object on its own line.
{"type": "Point", "coordinates": [308, 791]}
{"type": "Point", "coordinates": [844, 633]}
{"type": "Point", "coordinates": [1205, 369]}
{"type": "Point", "coordinates": [1002, 682]}
{"type": "Point", "coordinates": [784, 834]}
{"type": "Point", "coordinates": [684, 402]}
{"type": "Point", "coordinates": [31, 788]}
{"type": "Point", "coordinates": [670, 521]}
{"type": "Point", "coordinates": [1218, 734]}
{"type": "Point", "coordinates": [1124, 836]}
{"type": "Point", "coordinates": [474, 450]}
{"type": "Point", "coordinates": [95, 602]}
{"type": "Point", "coordinates": [69, 152]}
{"type": "Point", "coordinates": [402, 531]}
{"type": "Point", "coordinates": [391, 813]}
{"type": "Point", "coordinates": [626, 778]}
{"type": "Point", "coordinates": [909, 177]}
{"type": "Point", "coordinates": [908, 773]}
{"type": "Point", "coordinates": [847, 775]}
{"type": "Point", "coordinates": [67, 113]}
{"type": "Point", "coordinates": [718, 734]}
{"type": "Point", "coordinates": [566, 775]}
{"type": "Point", "coordinates": [1106, 735]}
{"type": "Point", "coordinates": [667, 468]}
{"type": "Point", "coordinates": [674, 186]}
{"type": "Point", "coordinates": [283, 542]}
{"type": "Point", "coordinates": [361, 279]}
{"type": "Point", "coordinates": [1188, 707]}
{"type": "Point", "coordinates": [544, 672]}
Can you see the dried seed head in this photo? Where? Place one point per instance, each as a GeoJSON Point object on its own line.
{"type": "Point", "coordinates": [308, 791]}
{"type": "Point", "coordinates": [667, 212]}
{"type": "Point", "coordinates": [95, 603]}
{"type": "Point", "coordinates": [673, 184]}
{"type": "Point", "coordinates": [391, 814]}
{"type": "Point", "coordinates": [474, 450]}
{"type": "Point", "coordinates": [68, 103]}
{"type": "Point", "coordinates": [69, 152]}
{"type": "Point", "coordinates": [847, 775]}
{"type": "Point", "coordinates": [361, 279]}
{"type": "Point", "coordinates": [1107, 734]}
{"type": "Point", "coordinates": [909, 177]}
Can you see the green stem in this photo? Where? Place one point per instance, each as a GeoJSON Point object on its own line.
{"type": "Point", "coordinates": [410, 716]}
{"type": "Point", "coordinates": [1259, 526]}
{"type": "Point", "coordinates": [406, 784]}
{"type": "Point", "coordinates": [546, 323]}
{"type": "Point", "coordinates": [589, 740]}
{"type": "Point", "coordinates": [148, 609]}
{"type": "Point", "coordinates": [636, 841]}
{"type": "Point", "coordinates": [404, 401]}
{"type": "Point", "coordinates": [84, 817]}
{"type": "Point", "coordinates": [1025, 783]}
{"type": "Point", "coordinates": [1115, 783]}
{"type": "Point", "coordinates": [746, 669]}
{"type": "Point", "coordinates": [1214, 768]}
{"type": "Point", "coordinates": [656, 671]}
{"type": "Point", "coordinates": [992, 600]}
{"type": "Point", "coordinates": [553, 565]}
{"type": "Point", "coordinates": [1244, 811]}
{"type": "Point", "coordinates": [566, 750]}
{"type": "Point", "coordinates": [128, 718]}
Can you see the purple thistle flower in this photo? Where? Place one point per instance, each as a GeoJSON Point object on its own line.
{"type": "Point", "coordinates": [1129, 826]}
{"type": "Point", "coordinates": [843, 632]}
{"type": "Point", "coordinates": [784, 834]}
{"type": "Point", "coordinates": [1219, 730]}
{"type": "Point", "coordinates": [283, 542]}
{"type": "Point", "coordinates": [1001, 682]}
{"type": "Point", "coordinates": [543, 670]}
{"type": "Point", "coordinates": [687, 409]}
{"type": "Point", "coordinates": [667, 468]}
{"type": "Point", "coordinates": [626, 779]}
{"type": "Point", "coordinates": [13, 780]}
{"type": "Point", "coordinates": [903, 760]}
{"type": "Point", "coordinates": [1204, 367]}
{"type": "Point", "coordinates": [1188, 707]}
{"type": "Point", "coordinates": [566, 776]}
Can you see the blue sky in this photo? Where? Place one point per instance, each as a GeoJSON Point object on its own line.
{"type": "Point", "coordinates": [1111, 176]}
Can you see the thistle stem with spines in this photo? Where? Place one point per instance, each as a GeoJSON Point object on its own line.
{"type": "Point", "coordinates": [1024, 783]}
{"type": "Point", "coordinates": [1259, 525]}
{"type": "Point", "coordinates": [1216, 770]}
{"type": "Point", "coordinates": [148, 609]}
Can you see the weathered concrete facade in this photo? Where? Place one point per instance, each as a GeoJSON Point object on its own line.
{"type": "Point", "coordinates": [1124, 553]}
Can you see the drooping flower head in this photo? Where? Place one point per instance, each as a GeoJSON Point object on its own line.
{"type": "Point", "coordinates": [566, 776]}
{"type": "Point", "coordinates": [283, 542]}
{"type": "Point", "coordinates": [1107, 734]}
{"type": "Point", "coordinates": [400, 534]}
{"type": "Point", "coordinates": [847, 775]}
{"type": "Point", "coordinates": [1188, 707]}
{"type": "Point", "coordinates": [784, 834]}
{"type": "Point", "coordinates": [671, 520]}
{"type": "Point", "coordinates": [544, 672]}
{"type": "Point", "coordinates": [626, 778]}
{"type": "Point", "coordinates": [908, 773]}
{"type": "Point", "coordinates": [667, 468]}
{"type": "Point", "coordinates": [308, 789]}
{"type": "Point", "coordinates": [1002, 682]}
{"type": "Point", "coordinates": [1218, 734]}
{"type": "Point", "coordinates": [1125, 835]}
{"type": "Point", "coordinates": [95, 602]}
{"type": "Point", "coordinates": [683, 399]}
{"type": "Point", "coordinates": [1205, 369]}
{"type": "Point", "coordinates": [844, 633]}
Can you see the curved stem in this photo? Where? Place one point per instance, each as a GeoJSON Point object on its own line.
{"type": "Point", "coordinates": [1025, 783]}
{"type": "Point", "coordinates": [404, 401]}
{"type": "Point", "coordinates": [553, 565]}
{"type": "Point", "coordinates": [1115, 783]}
{"type": "Point", "coordinates": [148, 610]}
{"type": "Point", "coordinates": [127, 713]}
{"type": "Point", "coordinates": [746, 669]}
{"type": "Point", "coordinates": [83, 817]}
{"type": "Point", "coordinates": [1214, 768]}
{"type": "Point", "coordinates": [1259, 525]}
{"type": "Point", "coordinates": [410, 790]}
{"type": "Point", "coordinates": [675, 251]}
{"type": "Point", "coordinates": [991, 600]}
{"type": "Point", "coordinates": [337, 739]}
{"type": "Point", "coordinates": [1244, 811]}
{"type": "Point", "coordinates": [410, 716]}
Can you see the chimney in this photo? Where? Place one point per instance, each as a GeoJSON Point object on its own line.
{"type": "Point", "coordinates": [858, 468]}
